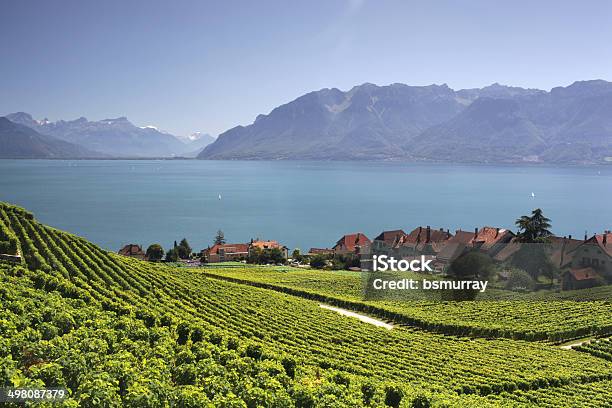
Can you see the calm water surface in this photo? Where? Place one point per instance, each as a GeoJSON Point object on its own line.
{"type": "Point", "coordinates": [302, 204]}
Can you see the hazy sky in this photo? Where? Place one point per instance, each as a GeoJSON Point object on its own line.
{"type": "Point", "coordinates": [198, 65]}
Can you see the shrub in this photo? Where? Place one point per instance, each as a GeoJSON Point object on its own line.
{"type": "Point", "coordinates": [393, 395]}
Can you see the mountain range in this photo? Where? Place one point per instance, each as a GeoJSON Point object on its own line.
{"type": "Point", "coordinates": [21, 142]}
{"type": "Point", "coordinates": [494, 124]}
{"type": "Point", "coordinates": [117, 138]}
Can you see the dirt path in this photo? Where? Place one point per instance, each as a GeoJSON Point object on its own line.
{"type": "Point", "coordinates": [578, 343]}
{"type": "Point", "coordinates": [363, 318]}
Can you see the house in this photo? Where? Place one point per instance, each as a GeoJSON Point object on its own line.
{"type": "Point", "coordinates": [262, 245]}
{"type": "Point", "coordinates": [385, 241]}
{"type": "Point", "coordinates": [498, 243]}
{"type": "Point", "coordinates": [558, 249]}
{"type": "Point", "coordinates": [352, 244]}
{"type": "Point", "coordinates": [455, 246]}
{"type": "Point", "coordinates": [396, 243]}
{"type": "Point", "coordinates": [561, 251]}
{"type": "Point", "coordinates": [421, 241]}
{"type": "Point", "coordinates": [381, 245]}
{"type": "Point", "coordinates": [595, 253]}
{"type": "Point", "coordinates": [133, 251]}
{"type": "Point", "coordinates": [226, 252]}
{"type": "Point", "coordinates": [580, 278]}
{"type": "Point", "coordinates": [491, 240]}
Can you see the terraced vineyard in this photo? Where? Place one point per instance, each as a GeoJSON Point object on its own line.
{"type": "Point", "coordinates": [599, 348]}
{"type": "Point", "coordinates": [551, 319]}
{"type": "Point", "coordinates": [132, 333]}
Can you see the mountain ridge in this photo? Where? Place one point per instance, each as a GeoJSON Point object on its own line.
{"type": "Point", "coordinates": [113, 137]}
{"type": "Point", "coordinates": [570, 124]}
{"type": "Point", "coordinates": [19, 141]}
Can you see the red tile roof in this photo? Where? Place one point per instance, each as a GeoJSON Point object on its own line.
{"type": "Point", "coordinates": [463, 237]}
{"type": "Point", "coordinates": [131, 249]}
{"type": "Point", "coordinates": [584, 273]}
{"type": "Point", "coordinates": [489, 236]}
{"type": "Point", "coordinates": [561, 248]}
{"type": "Point", "coordinates": [419, 234]}
{"type": "Point", "coordinates": [390, 237]}
{"type": "Point", "coordinates": [266, 244]}
{"type": "Point", "coordinates": [508, 250]}
{"type": "Point", "coordinates": [605, 242]}
{"type": "Point", "coordinates": [229, 248]}
{"type": "Point", "coordinates": [350, 241]}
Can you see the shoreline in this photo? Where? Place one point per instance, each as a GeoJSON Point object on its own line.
{"type": "Point", "coordinates": [527, 164]}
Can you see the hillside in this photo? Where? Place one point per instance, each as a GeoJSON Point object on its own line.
{"type": "Point", "coordinates": [121, 332]}
{"type": "Point", "coordinates": [21, 142]}
{"type": "Point", "coordinates": [367, 122]}
{"type": "Point", "coordinates": [433, 123]}
{"type": "Point", "coordinates": [114, 137]}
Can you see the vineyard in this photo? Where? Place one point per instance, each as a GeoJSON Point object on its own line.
{"type": "Point", "coordinates": [599, 348]}
{"type": "Point", "coordinates": [118, 331]}
{"type": "Point", "coordinates": [551, 319]}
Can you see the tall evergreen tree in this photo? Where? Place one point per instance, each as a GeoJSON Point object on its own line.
{"type": "Point", "coordinates": [184, 249]}
{"type": "Point", "coordinates": [534, 228]}
{"type": "Point", "coordinates": [220, 238]}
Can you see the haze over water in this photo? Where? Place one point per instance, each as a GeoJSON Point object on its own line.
{"type": "Point", "coordinates": [301, 204]}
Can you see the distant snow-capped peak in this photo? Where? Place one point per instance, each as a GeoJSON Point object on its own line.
{"type": "Point", "coordinates": [193, 137]}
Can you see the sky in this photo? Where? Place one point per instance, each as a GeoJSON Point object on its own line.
{"type": "Point", "coordinates": [187, 66]}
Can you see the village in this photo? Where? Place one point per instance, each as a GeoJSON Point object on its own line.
{"type": "Point", "coordinates": [568, 262]}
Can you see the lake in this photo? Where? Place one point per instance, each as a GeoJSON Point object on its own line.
{"type": "Point", "coordinates": [301, 204]}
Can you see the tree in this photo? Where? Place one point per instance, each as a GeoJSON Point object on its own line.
{"type": "Point", "coordinates": [533, 258]}
{"type": "Point", "coordinates": [519, 280]}
{"type": "Point", "coordinates": [172, 255]}
{"type": "Point", "coordinates": [296, 255]}
{"type": "Point", "coordinates": [219, 238]}
{"type": "Point", "coordinates": [318, 261]}
{"type": "Point", "coordinates": [265, 256]}
{"type": "Point", "coordinates": [275, 255]}
{"type": "Point", "coordinates": [185, 244]}
{"type": "Point", "coordinates": [472, 265]}
{"type": "Point", "coordinates": [183, 249]}
{"type": "Point", "coordinates": [155, 252]}
{"type": "Point", "coordinates": [535, 228]}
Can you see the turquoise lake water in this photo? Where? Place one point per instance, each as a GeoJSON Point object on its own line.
{"type": "Point", "coordinates": [301, 204]}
